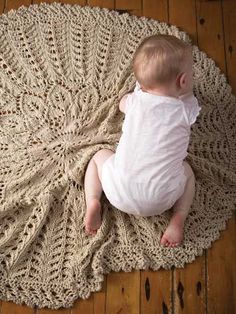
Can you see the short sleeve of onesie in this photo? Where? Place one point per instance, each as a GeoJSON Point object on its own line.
{"type": "Point", "coordinates": [191, 107]}
{"type": "Point", "coordinates": [130, 97]}
{"type": "Point", "coordinates": [129, 102]}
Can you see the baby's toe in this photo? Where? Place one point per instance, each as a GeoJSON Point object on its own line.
{"type": "Point", "coordinates": [170, 242]}
{"type": "Point", "coordinates": [89, 230]}
{"type": "Point", "coordinates": [164, 241]}
{"type": "Point", "coordinates": [174, 244]}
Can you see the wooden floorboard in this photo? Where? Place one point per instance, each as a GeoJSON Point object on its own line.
{"type": "Point", "coordinates": [190, 282]}
{"type": "Point", "coordinates": [208, 285]}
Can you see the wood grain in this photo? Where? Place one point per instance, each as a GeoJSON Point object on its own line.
{"type": "Point", "coordinates": [183, 14]}
{"type": "Point", "coordinates": [221, 277]}
{"type": "Point", "coordinates": [156, 9]}
{"type": "Point", "coordinates": [49, 311]}
{"type": "Point", "coordinates": [123, 293]}
{"type": "Point", "coordinates": [131, 6]}
{"type": "Point", "coordinates": [229, 19]}
{"type": "Point", "coordinates": [12, 308]}
{"type": "Point", "coordinates": [156, 292]}
{"type": "Point", "coordinates": [109, 4]}
{"type": "Point", "coordinates": [190, 288]}
{"type": "Point", "coordinates": [210, 30]}
{"type": "Point", "coordinates": [221, 290]}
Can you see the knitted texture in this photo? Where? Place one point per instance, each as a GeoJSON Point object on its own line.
{"type": "Point", "coordinates": [63, 69]}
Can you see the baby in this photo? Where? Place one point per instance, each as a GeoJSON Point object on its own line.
{"type": "Point", "coordinates": [148, 175]}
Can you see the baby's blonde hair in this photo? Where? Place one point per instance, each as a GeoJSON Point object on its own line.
{"type": "Point", "coordinates": [159, 59]}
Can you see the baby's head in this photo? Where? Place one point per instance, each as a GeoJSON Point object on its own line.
{"type": "Point", "coordinates": [161, 61]}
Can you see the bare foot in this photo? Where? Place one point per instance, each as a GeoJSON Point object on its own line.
{"type": "Point", "coordinates": [173, 236]}
{"type": "Point", "coordinates": [93, 218]}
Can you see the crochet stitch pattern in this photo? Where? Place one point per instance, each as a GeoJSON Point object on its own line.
{"type": "Point", "coordinates": [63, 69]}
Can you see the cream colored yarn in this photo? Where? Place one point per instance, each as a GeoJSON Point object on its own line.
{"type": "Point", "coordinates": [62, 70]}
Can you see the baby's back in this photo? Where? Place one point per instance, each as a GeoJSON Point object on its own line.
{"type": "Point", "coordinates": [154, 141]}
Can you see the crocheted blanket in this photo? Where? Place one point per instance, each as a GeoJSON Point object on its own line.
{"type": "Point", "coordinates": [63, 69]}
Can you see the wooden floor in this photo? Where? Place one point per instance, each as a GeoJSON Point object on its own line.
{"type": "Point", "coordinates": [209, 284]}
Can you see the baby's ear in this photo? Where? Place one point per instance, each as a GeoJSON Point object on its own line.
{"type": "Point", "coordinates": [182, 80]}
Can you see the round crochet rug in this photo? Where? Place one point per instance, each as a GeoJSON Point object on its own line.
{"type": "Point", "coordinates": [63, 70]}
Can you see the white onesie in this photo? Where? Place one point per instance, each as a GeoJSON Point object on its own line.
{"type": "Point", "coordinates": [146, 175]}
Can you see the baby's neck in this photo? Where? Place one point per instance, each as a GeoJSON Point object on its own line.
{"type": "Point", "coordinates": [162, 91]}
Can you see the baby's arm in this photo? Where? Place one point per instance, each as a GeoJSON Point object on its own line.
{"type": "Point", "coordinates": [191, 106]}
{"type": "Point", "coordinates": [123, 102]}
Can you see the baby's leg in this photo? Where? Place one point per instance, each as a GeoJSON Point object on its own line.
{"type": "Point", "coordinates": [173, 235]}
{"type": "Point", "coordinates": [93, 190]}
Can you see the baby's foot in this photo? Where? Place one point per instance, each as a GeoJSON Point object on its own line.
{"type": "Point", "coordinates": [173, 236]}
{"type": "Point", "coordinates": [93, 218]}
